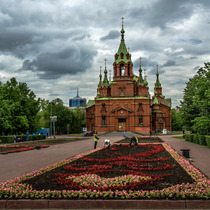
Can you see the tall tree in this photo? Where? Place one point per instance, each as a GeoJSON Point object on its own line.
{"type": "Point", "coordinates": [68, 121]}
{"type": "Point", "coordinates": [19, 108]}
{"type": "Point", "coordinates": [176, 120]}
{"type": "Point", "coordinates": [195, 106]}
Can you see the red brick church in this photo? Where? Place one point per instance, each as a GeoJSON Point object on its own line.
{"type": "Point", "coordinates": [124, 104]}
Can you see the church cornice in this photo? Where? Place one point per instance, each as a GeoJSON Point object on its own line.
{"type": "Point", "coordinates": [121, 107]}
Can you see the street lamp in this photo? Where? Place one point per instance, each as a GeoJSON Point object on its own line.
{"type": "Point", "coordinates": [51, 103]}
{"type": "Point", "coordinates": [53, 119]}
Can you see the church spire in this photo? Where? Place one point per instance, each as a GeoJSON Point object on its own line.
{"type": "Point", "coordinates": [100, 80]}
{"type": "Point", "coordinates": [105, 82]}
{"type": "Point", "coordinates": [122, 54]}
{"type": "Point", "coordinates": [157, 83]}
{"type": "Point", "coordinates": [122, 30]}
{"type": "Point", "coordinates": [140, 80]}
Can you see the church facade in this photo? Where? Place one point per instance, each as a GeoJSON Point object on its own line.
{"type": "Point", "coordinates": [124, 103]}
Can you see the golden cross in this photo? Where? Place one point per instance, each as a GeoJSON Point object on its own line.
{"type": "Point", "coordinates": [157, 67]}
{"type": "Point", "coordinates": [105, 61]}
{"type": "Point", "coordinates": [100, 69]}
{"type": "Point", "coordinates": [122, 20]}
{"type": "Point", "coordinates": [140, 61]}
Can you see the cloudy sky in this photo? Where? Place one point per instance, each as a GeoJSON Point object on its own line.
{"type": "Point", "coordinates": [56, 46]}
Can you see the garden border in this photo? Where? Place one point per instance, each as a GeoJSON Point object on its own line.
{"type": "Point", "coordinates": [104, 204]}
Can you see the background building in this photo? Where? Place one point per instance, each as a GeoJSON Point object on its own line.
{"type": "Point", "coordinates": [77, 102]}
{"type": "Point", "coordinates": [124, 104]}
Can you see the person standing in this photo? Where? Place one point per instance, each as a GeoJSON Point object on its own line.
{"type": "Point", "coordinates": [95, 137]}
{"type": "Point", "coordinates": [124, 132]}
{"type": "Point", "coordinates": [27, 136]}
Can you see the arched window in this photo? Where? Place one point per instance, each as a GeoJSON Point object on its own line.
{"type": "Point", "coordinates": [122, 70]}
{"type": "Point", "coordinates": [140, 120]}
{"type": "Point", "coordinates": [122, 55]}
{"type": "Point", "coordinates": [128, 69]}
{"type": "Point", "coordinates": [103, 120]}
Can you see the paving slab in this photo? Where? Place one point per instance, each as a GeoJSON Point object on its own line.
{"type": "Point", "coordinates": [199, 155]}
{"type": "Point", "coordinates": [17, 164]}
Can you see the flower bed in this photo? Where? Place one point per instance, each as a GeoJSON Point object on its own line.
{"type": "Point", "coordinates": [19, 148]}
{"type": "Point", "coordinates": [149, 171]}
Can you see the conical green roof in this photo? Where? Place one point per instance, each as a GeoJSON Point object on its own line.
{"type": "Point", "coordinates": [155, 101]}
{"type": "Point", "coordinates": [106, 81]}
{"type": "Point", "coordinates": [122, 50]}
{"type": "Point", "coordinates": [157, 83]}
{"type": "Point", "coordinates": [100, 84]}
{"type": "Point", "coordinates": [140, 79]}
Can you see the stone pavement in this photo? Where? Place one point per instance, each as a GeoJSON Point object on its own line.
{"type": "Point", "coordinates": [17, 164]}
{"type": "Point", "coordinates": [200, 155]}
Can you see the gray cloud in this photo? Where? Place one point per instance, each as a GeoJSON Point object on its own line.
{"type": "Point", "coordinates": [169, 63]}
{"type": "Point", "coordinates": [83, 36]}
{"type": "Point", "coordinates": [68, 40]}
{"type": "Point", "coordinates": [67, 61]}
{"type": "Point", "coordinates": [111, 35]}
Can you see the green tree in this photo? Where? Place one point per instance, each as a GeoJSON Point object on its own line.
{"type": "Point", "coordinates": [195, 106]}
{"type": "Point", "coordinates": [176, 120]}
{"type": "Point", "coordinates": [68, 121]}
{"type": "Point", "coordinates": [18, 108]}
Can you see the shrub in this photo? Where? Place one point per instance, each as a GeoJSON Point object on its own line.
{"type": "Point", "coordinates": [7, 139]}
{"type": "Point", "coordinates": [191, 137]}
{"type": "Point", "coordinates": [10, 139]}
{"type": "Point", "coordinates": [187, 137]}
{"type": "Point", "coordinates": [202, 140]}
{"type": "Point", "coordinates": [208, 141]}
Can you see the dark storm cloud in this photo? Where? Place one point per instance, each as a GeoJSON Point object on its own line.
{"type": "Point", "coordinates": [166, 11]}
{"type": "Point", "coordinates": [195, 41]}
{"type": "Point", "coordinates": [52, 65]}
{"type": "Point", "coordinates": [111, 35]}
{"type": "Point", "coordinates": [168, 63]}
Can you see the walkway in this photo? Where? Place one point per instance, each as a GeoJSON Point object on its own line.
{"type": "Point", "coordinates": [200, 155]}
{"type": "Point", "coordinates": [17, 164]}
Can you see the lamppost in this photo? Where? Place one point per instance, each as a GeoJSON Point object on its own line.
{"type": "Point", "coordinates": [53, 119]}
{"type": "Point", "coordinates": [51, 103]}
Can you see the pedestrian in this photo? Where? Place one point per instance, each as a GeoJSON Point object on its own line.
{"type": "Point", "coordinates": [15, 139]}
{"type": "Point", "coordinates": [27, 136]}
{"type": "Point", "coordinates": [156, 131]}
{"type": "Point", "coordinates": [95, 137]}
{"type": "Point", "coordinates": [150, 133]}
{"type": "Point", "coordinates": [134, 140]}
{"type": "Point", "coordinates": [183, 131]}
{"type": "Point", "coordinates": [124, 134]}
{"type": "Point", "coordinates": [107, 143]}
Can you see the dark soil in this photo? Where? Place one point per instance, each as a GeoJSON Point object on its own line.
{"type": "Point", "coordinates": [169, 176]}
{"type": "Point", "coordinates": [143, 140]}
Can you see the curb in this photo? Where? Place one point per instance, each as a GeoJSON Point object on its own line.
{"type": "Point", "coordinates": [104, 204]}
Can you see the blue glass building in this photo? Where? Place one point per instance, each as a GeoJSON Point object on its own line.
{"type": "Point", "coordinates": [77, 101]}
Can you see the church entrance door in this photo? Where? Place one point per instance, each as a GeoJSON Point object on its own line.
{"type": "Point", "coordinates": [122, 124]}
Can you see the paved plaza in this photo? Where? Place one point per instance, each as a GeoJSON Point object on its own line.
{"type": "Point", "coordinates": [17, 164]}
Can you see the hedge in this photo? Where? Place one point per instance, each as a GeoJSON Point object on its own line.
{"type": "Point", "coordinates": [202, 139]}
{"type": "Point", "coordinates": [208, 141]}
{"type": "Point", "coordinates": [187, 137]}
{"type": "Point", "coordinates": [198, 139]}
{"type": "Point", "coordinates": [10, 139]}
